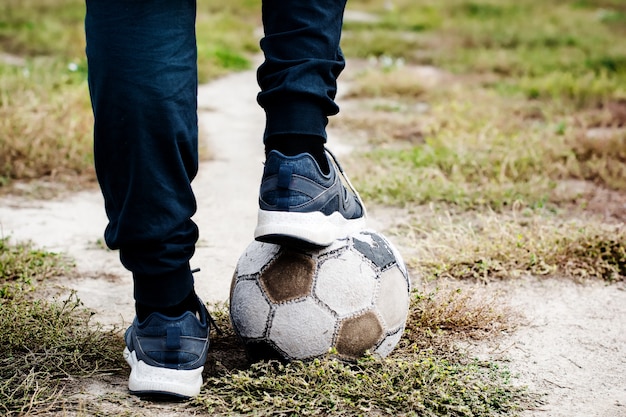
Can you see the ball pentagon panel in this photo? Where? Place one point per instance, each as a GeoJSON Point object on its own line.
{"type": "Point", "coordinates": [358, 335]}
{"type": "Point", "coordinates": [288, 277]}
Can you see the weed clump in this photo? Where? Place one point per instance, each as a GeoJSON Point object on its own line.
{"type": "Point", "coordinates": [497, 246]}
{"type": "Point", "coordinates": [426, 375]}
{"type": "Point", "coordinates": [419, 385]}
{"type": "Point", "coordinates": [43, 344]}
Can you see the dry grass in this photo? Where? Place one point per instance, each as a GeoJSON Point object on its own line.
{"type": "Point", "coordinates": [425, 375]}
{"type": "Point", "coordinates": [485, 246]}
{"type": "Point", "coordinates": [49, 347]}
{"type": "Point", "coordinates": [526, 99]}
{"type": "Point", "coordinates": [45, 346]}
{"type": "Point", "coordinates": [471, 146]}
{"type": "Point", "coordinates": [443, 315]}
{"type": "Point", "coordinates": [45, 133]}
{"type": "Point", "coordinates": [45, 115]}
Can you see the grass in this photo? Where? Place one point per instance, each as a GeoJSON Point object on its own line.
{"type": "Point", "coordinates": [48, 344]}
{"type": "Point", "coordinates": [507, 157]}
{"type": "Point", "coordinates": [49, 347]}
{"type": "Point", "coordinates": [510, 38]}
{"type": "Point", "coordinates": [533, 82]}
{"type": "Point", "coordinates": [44, 345]}
{"type": "Point", "coordinates": [426, 375]}
{"type": "Point", "coordinates": [22, 266]}
{"type": "Point", "coordinates": [45, 114]}
{"type": "Point", "coordinates": [46, 123]}
{"type": "Point", "coordinates": [421, 385]}
{"type": "Point", "coordinates": [487, 246]}
{"type": "Point", "coordinates": [497, 129]}
{"type": "Point", "coordinates": [505, 150]}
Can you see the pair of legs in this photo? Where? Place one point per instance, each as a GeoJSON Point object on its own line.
{"type": "Point", "coordinates": [143, 84]}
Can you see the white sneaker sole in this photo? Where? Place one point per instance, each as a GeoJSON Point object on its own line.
{"type": "Point", "coordinates": [313, 228]}
{"type": "Point", "coordinates": [148, 379]}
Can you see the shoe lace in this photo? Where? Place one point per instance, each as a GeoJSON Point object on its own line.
{"type": "Point", "coordinates": [211, 320]}
{"type": "Point", "coordinates": [346, 180]}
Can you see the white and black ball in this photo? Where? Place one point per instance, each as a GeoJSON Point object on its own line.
{"type": "Point", "coordinates": [349, 298]}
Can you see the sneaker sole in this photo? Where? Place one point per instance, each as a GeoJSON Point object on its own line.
{"type": "Point", "coordinates": [310, 229]}
{"type": "Point", "coordinates": [153, 380]}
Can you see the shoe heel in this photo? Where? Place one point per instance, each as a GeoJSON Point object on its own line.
{"type": "Point", "coordinates": [152, 380]}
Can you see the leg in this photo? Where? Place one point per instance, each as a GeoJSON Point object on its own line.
{"type": "Point", "coordinates": [142, 80]}
{"type": "Point", "coordinates": [302, 198]}
{"type": "Point", "coordinates": [143, 85]}
{"type": "Point", "coordinates": [298, 79]}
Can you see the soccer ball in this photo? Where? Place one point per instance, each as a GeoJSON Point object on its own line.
{"type": "Point", "coordinates": [346, 299]}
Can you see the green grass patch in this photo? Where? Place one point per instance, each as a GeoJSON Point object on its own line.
{"type": "Point", "coordinates": [470, 155]}
{"type": "Point", "coordinates": [31, 28]}
{"type": "Point", "coordinates": [513, 39]}
{"type": "Point", "coordinates": [45, 345]}
{"type": "Point", "coordinates": [22, 266]}
{"type": "Point", "coordinates": [226, 37]}
{"type": "Point", "coordinates": [438, 138]}
{"type": "Point", "coordinates": [424, 376]}
{"type": "Point", "coordinates": [420, 385]}
{"type": "Point", "coordinates": [580, 91]}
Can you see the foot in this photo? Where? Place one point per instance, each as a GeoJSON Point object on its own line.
{"type": "Point", "coordinates": [167, 355]}
{"type": "Point", "coordinates": [299, 204]}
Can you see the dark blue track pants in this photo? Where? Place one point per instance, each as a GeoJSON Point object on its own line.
{"type": "Point", "coordinates": [143, 83]}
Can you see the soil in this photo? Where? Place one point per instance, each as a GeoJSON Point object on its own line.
{"type": "Point", "coordinates": [570, 348]}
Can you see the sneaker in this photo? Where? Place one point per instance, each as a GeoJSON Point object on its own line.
{"type": "Point", "coordinates": [299, 204]}
{"type": "Point", "coordinates": [167, 355]}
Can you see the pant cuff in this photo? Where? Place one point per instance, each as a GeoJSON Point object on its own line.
{"type": "Point", "coordinates": [163, 290]}
{"type": "Point", "coordinates": [295, 118]}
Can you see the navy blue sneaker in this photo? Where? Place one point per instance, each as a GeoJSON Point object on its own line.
{"type": "Point", "coordinates": [299, 204]}
{"type": "Point", "coordinates": [167, 355]}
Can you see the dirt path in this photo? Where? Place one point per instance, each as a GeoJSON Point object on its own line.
{"type": "Point", "coordinates": [572, 346]}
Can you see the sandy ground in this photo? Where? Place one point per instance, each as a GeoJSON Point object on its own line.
{"type": "Point", "coordinates": [571, 348]}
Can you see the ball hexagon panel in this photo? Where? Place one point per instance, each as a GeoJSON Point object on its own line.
{"type": "Point", "coordinates": [346, 284]}
{"type": "Point", "coordinates": [303, 329]}
{"type": "Point", "coordinates": [255, 257]}
{"type": "Point", "coordinates": [249, 309]}
{"type": "Point", "coordinates": [289, 276]}
{"type": "Point", "coordinates": [389, 343]}
{"type": "Point", "coordinates": [392, 300]}
{"type": "Point", "coordinates": [358, 334]}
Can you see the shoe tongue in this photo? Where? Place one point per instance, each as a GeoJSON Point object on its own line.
{"type": "Point", "coordinates": [172, 339]}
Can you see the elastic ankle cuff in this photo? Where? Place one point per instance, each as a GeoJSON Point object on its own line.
{"type": "Point", "coordinates": [164, 290]}
{"type": "Point", "coordinates": [295, 118]}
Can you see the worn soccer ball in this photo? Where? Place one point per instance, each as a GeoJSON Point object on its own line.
{"type": "Point", "coordinates": [346, 299]}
